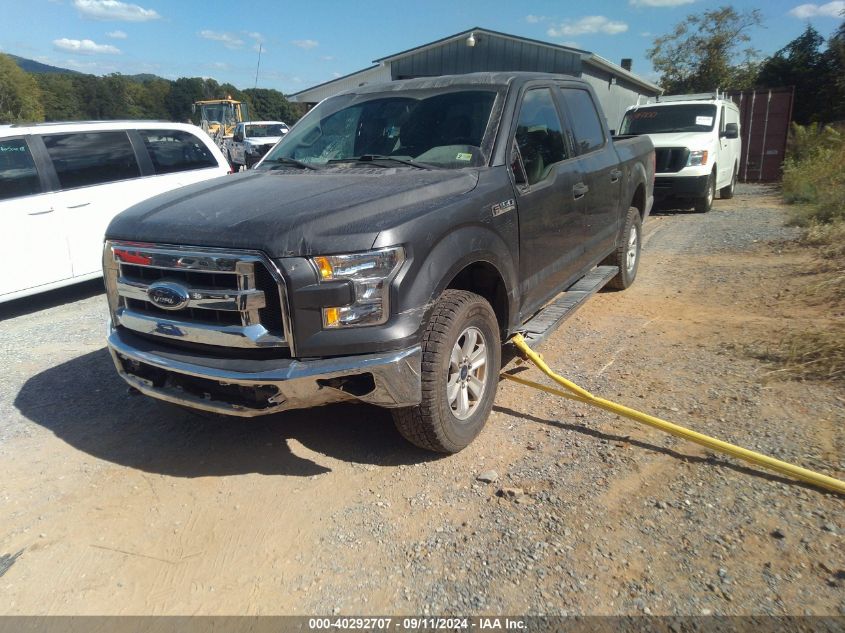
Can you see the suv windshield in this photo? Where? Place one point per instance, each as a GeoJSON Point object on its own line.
{"type": "Point", "coordinates": [257, 131]}
{"type": "Point", "coordinates": [431, 127]}
{"type": "Point", "coordinates": [675, 118]}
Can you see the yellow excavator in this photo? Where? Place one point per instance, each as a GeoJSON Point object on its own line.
{"type": "Point", "coordinates": [218, 117]}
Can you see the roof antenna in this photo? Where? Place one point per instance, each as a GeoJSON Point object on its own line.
{"type": "Point", "coordinates": [257, 66]}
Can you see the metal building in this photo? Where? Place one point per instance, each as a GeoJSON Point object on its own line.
{"type": "Point", "coordinates": [478, 49]}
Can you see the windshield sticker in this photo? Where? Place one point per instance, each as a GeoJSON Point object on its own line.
{"type": "Point", "coordinates": [463, 156]}
{"type": "Point", "coordinates": [704, 120]}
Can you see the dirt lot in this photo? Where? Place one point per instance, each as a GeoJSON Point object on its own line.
{"type": "Point", "coordinates": [123, 505]}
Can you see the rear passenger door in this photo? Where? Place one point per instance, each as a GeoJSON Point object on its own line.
{"type": "Point", "coordinates": [33, 247]}
{"type": "Point", "coordinates": [549, 201]}
{"type": "Point", "coordinates": [601, 171]}
{"type": "Point", "coordinates": [177, 158]}
{"type": "Point", "coordinates": [98, 174]}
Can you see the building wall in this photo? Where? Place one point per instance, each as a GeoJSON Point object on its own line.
{"type": "Point", "coordinates": [490, 53]}
{"type": "Point", "coordinates": [377, 74]}
{"type": "Point", "coordinates": [616, 97]}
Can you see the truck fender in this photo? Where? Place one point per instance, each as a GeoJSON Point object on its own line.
{"type": "Point", "coordinates": [451, 254]}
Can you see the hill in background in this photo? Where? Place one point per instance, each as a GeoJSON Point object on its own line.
{"type": "Point", "coordinates": [32, 66]}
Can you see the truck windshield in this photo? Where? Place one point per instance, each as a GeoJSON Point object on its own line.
{"type": "Point", "coordinates": [670, 118]}
{"type": "Point", "coordinates": [433, 128]}
{"type": "Point", "coordinates": [257, 131]}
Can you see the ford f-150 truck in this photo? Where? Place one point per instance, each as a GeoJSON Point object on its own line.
{"type": "Point", "coordinates": [381, 252]}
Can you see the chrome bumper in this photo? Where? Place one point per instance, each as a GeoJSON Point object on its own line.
{"type": "Point", "coordinates": [389, 379]}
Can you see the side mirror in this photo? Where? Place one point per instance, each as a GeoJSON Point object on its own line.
{"type": "Point", "coordinates": [731, 130]}
{"type": "Point", "coordinates": [613, 132]}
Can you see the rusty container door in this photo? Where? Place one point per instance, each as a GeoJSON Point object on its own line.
{"type": "Point", "coordinates": [764, 116]}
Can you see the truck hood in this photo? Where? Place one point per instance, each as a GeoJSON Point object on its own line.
{"type": "Point", "coordinates": [290, 213]}
{"type": "Point", "coordinates": [692, 140]}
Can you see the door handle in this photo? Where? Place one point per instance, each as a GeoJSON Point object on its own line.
{"type": "Point", "coordinates": [579, 190]}
{"type": "Point", "coordinates": [78, 206]}
{"type": "Point", "coordinates": [44, 212]}
{"type": "Point", "coordinates": [615, 175]}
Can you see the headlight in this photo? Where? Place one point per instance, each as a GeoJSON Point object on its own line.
{"type": "Point", "coordinates": [698, 157]}
{"type": "Point", "coordinates": [371, 273]}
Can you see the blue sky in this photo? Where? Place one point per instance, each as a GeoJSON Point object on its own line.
{"type": "Point", "coordinates": [307, 43]}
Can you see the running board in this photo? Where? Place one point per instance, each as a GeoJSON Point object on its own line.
{"type": "Point", "coordinates": [565, 304]}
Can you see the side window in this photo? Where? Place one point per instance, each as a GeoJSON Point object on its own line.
{"type": "Point", "coordinates": [174, 150]}
{"type": "Point", "coordinates": [18, 175]}
{"type": "Point", "coordinates": [91, 158]}
{"type": "Point", "coordinates": [539, 134]}
{"type": "Point", "coordinates": [588, 131]}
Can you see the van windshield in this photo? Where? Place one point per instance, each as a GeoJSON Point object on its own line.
{"type": "Point", "coordinates": [670, 118]}
{"type": "Point", "coordinates": [432, 128]}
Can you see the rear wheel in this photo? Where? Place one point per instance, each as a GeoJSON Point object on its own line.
{"type": "Point", "coordinates": [461, 357]}
{"type": "Point", "coordinates": [627, 253]}
{"type": "Point", "coordinates": [703, 204]}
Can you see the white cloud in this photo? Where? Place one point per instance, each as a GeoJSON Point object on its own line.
{"type": "Point", "coordinates": [259, 40]}
{"type": "Point", "coordinates": [227, 39]}
{"type": "Point", "coordinates": [114, 10]}
{"type": "Point", "coordinates": [587, 25]}
{"type": "Point", "coordinates": [85, 47]}
{"type": "Point", "coordinates": [830, 10]}
{"type": "Point", "coordinates": [117, 35]}
{"type": "Point", "coordinates": [659, 3]}
{"type": "Point", "coordinates": [327, 58]}
{"type": "Point", "coordinates": [534, 19]}
{"type": "Point", "coordinates": [306, 44]}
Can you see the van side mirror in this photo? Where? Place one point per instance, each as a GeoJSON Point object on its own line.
{"type": "Point", "coordinates": [731, 130]}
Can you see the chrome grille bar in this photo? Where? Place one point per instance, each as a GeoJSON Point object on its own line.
{"type": "Point", "coordinates": [230, 301]}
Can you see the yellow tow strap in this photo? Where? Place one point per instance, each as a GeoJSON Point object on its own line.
{"type": "Point", "coordinates": [574, 392]}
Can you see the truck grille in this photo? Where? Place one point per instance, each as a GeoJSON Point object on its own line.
{"type": "Point", "coordinates": [670, 160]}
{"type": "Point", "coordinates": [191, 295]}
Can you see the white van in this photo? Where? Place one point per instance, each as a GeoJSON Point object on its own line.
{"type": "Point", "coordinates": [62, 183]}
{"type": "Point", "coordinates": [697, 145]}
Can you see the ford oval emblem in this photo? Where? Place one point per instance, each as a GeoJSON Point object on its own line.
{"type": "Point", "coordinates": [168, 295]}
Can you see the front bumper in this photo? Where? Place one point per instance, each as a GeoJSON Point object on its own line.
{"type": "Point", "coordinates": [680, 186]}
{"type": "Point", "coordinates": [251, 387]}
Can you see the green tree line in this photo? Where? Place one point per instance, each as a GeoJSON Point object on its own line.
{"type": "Point", "coordinates": [34, 97]}
{"type": "Point", "coordinates": [709, 50]}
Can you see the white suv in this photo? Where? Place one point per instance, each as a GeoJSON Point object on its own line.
{"type": "Point", "coordinates": [62, 183]}
{"type": "Point", "coordinates": [696, 143]}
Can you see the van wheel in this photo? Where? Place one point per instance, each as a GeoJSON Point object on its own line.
{"type": "Point", "coordinates": [461, 357]}
{"type": "Point", "coordinates": [726, 193]}
{"type": "Point", "coordinates": [704, 204]}
{"type": "Point", "coordinates": [232, 165]}
{"type": "Point", "coordinates": [627, 253]}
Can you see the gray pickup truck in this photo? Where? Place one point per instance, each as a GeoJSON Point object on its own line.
{"type": "Point", "coordinates": [382, 252]}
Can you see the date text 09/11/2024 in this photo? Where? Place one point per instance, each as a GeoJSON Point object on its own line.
{"type": "Point", "coordinates": [417, 623]}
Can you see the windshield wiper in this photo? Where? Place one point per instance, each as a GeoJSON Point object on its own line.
{"type": "Point", "coordinates": [376, 158]}
{"type": "Point", "coordinates": [284, 160]}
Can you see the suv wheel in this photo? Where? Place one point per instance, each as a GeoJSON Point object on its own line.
{"type": "Point", "coordinates": [461, 357]}
{"type": "Point", "coordinates": [627, 254]}
{"type": "Point", "coordinates": [703, 204]}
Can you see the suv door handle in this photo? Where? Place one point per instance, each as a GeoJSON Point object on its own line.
{"type": "Point", "coordinates": [42, 212]}
{"type": "Point", "coordinates": [78, 206]}
{"type": "Point", "coordinates": [579, 190]}
{"type": "Point", "coordinates": [615, 175]}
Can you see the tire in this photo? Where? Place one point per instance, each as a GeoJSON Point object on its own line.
{"type": "Point", "coordinates": [705, 203]}
{"type": "Point", "coordinates": [461, 324]}
{"type": "Point", "coordinates": [726, 193]}
{"type": "Point", "coordinates": [627, 253]}
{"type": "Point", "coordinates": [235, 168]}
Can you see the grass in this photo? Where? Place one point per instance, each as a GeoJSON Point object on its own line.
{"type": "Point", "coordinates": [814, 182]}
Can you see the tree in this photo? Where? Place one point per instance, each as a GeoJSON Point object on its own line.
{"type": "Point", "coordinates": [20, 97]}
{"type": "Point", "coordinates": [270, 105]}
{"type": "Point", "coordinates": [704, 51]}
{"type": "Point", "coordinates": [59, 97]}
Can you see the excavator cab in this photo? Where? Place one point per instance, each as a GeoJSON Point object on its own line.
{"type": "Point", "coordinates": [219, 117]}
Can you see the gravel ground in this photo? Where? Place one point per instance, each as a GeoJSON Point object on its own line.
{"type": "Point", "coordinates": [125, 505]}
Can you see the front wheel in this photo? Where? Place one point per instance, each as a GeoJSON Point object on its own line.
{"type": "Point", "coordinates": [703, 204]}
{"type": "Point", "coordinates": [461, 357]}
{"type": "Point", "coordinates": [627, 253]}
